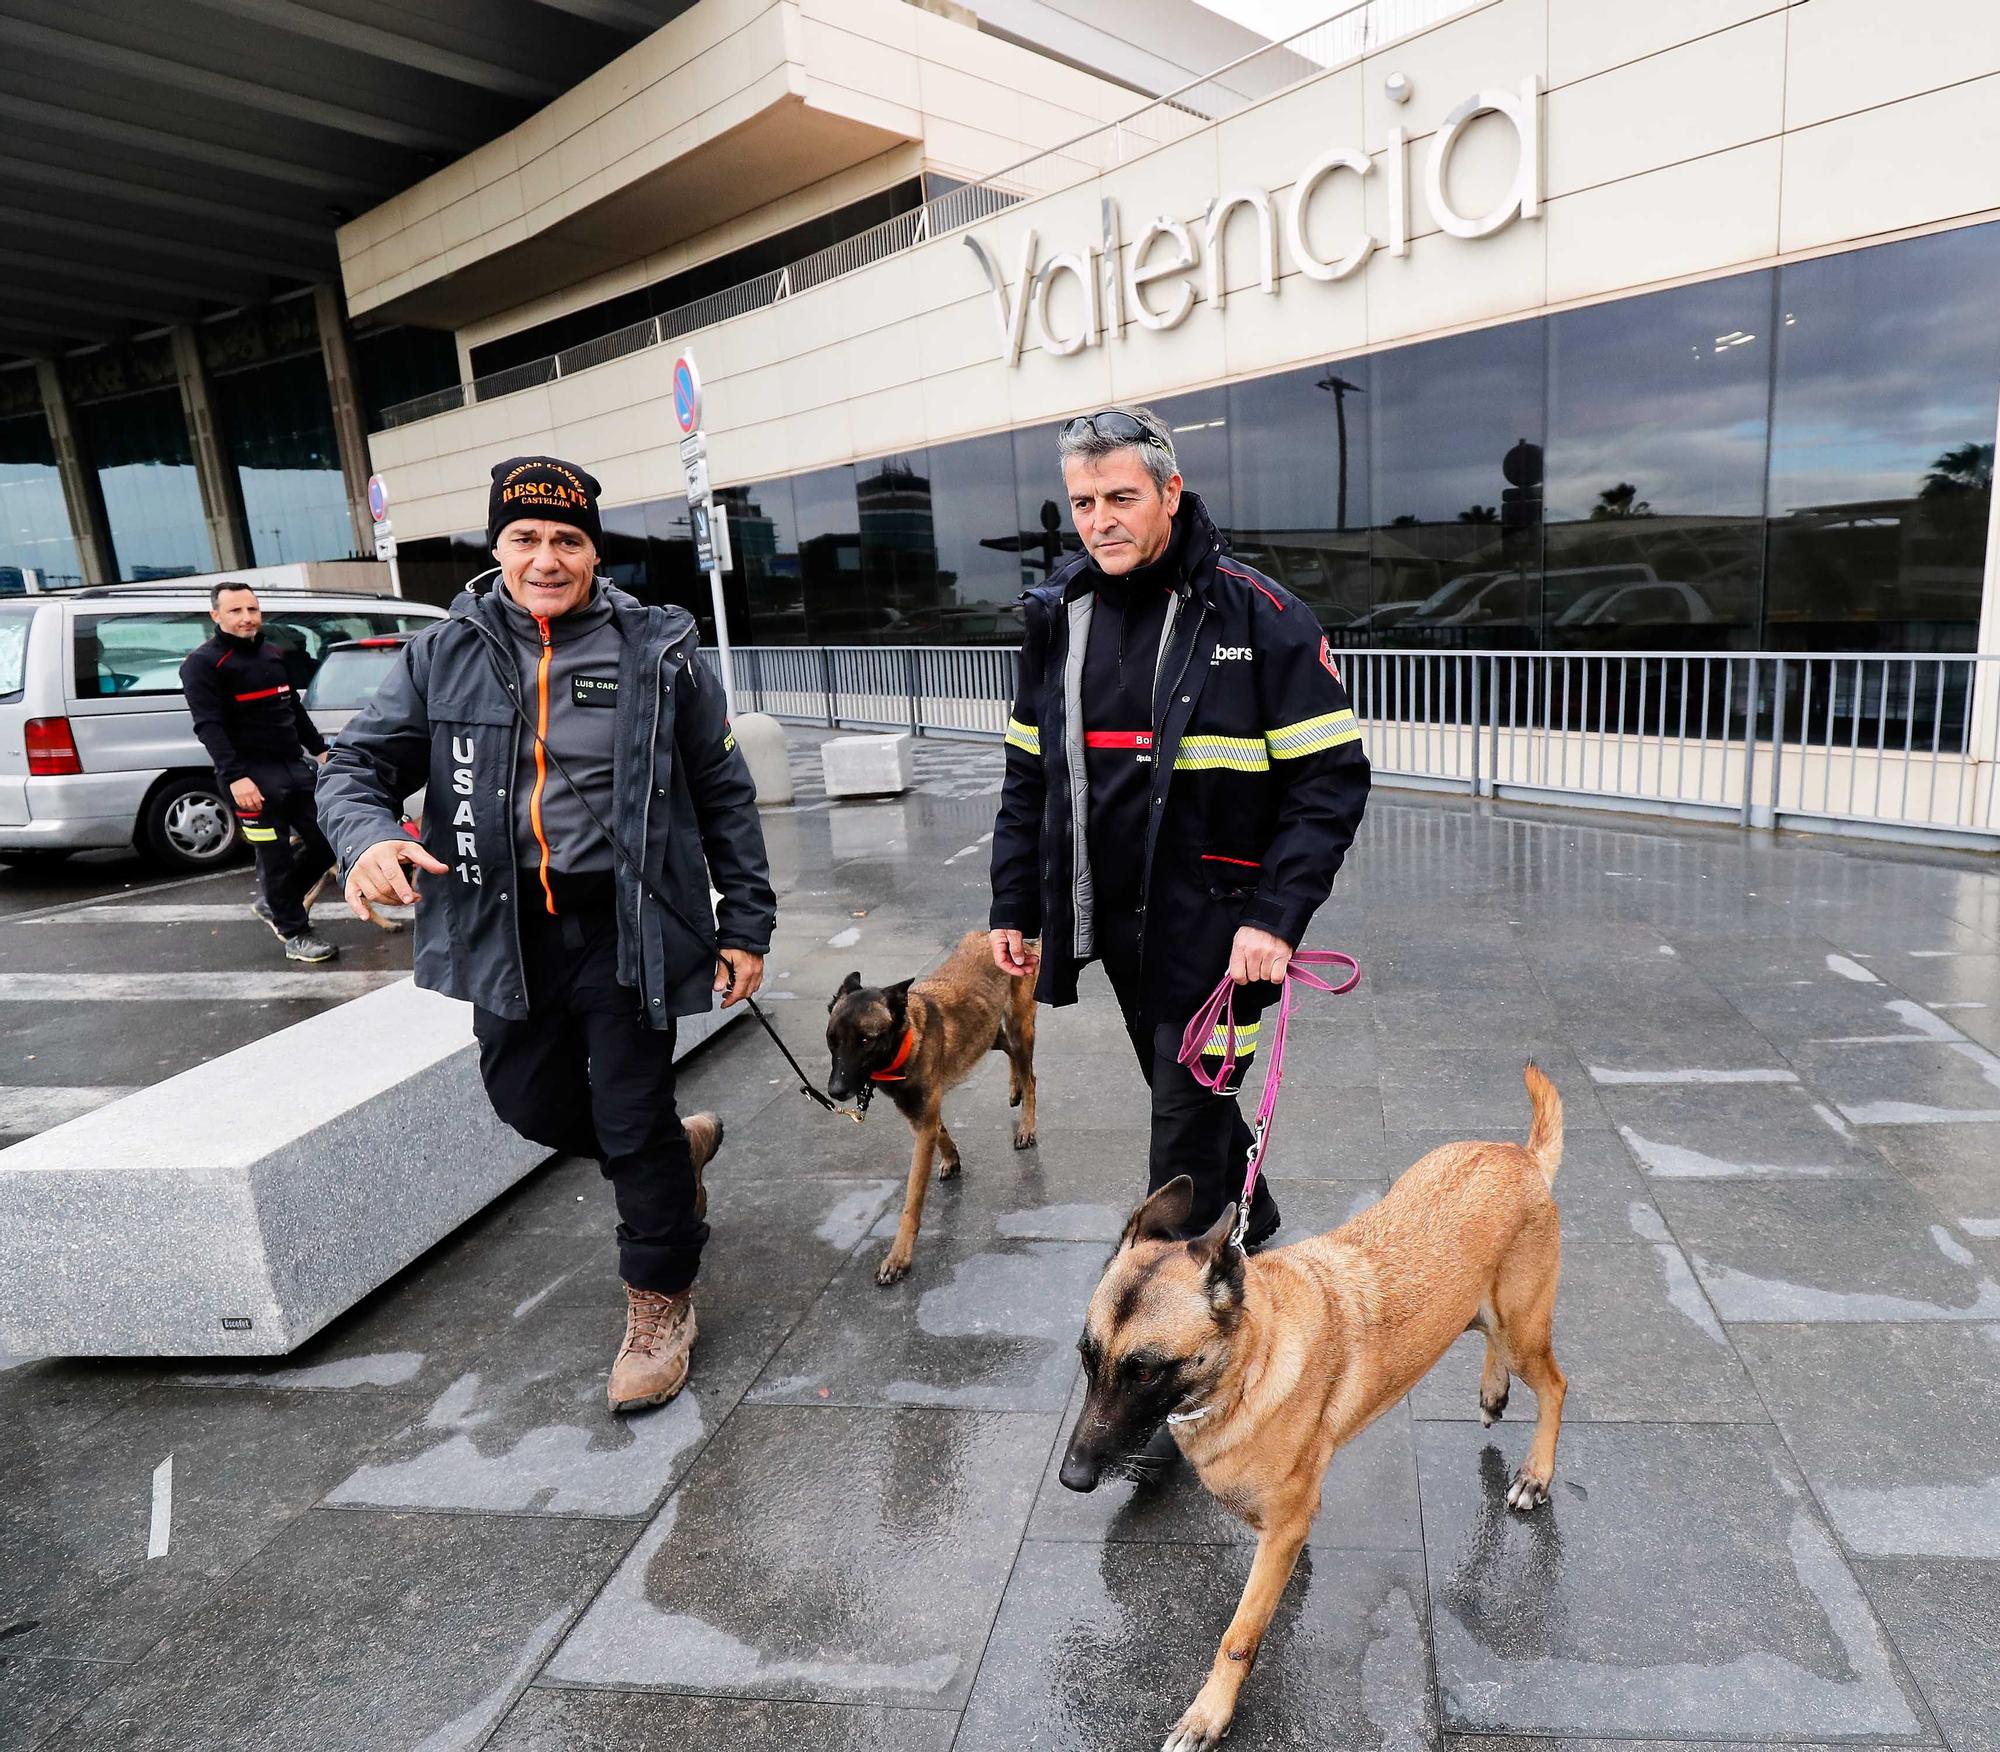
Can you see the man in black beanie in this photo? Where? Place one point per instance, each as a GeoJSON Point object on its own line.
{"type": "Point", "coordinates": [585, 792]}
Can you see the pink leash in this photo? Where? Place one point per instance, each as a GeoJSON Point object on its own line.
{"type": "Point", "coordinates": [1220, 1012]}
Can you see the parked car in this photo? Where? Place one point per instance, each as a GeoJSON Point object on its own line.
{"type": "Point", "coordinates": [96, 746]}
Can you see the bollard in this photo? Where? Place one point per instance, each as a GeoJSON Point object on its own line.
{"type": "Point", "coordinates": [762, 740]}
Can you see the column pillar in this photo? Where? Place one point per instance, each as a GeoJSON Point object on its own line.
{"type": "Point", "coordinates": [221, 491]}
{"type": "Point", "coordinates": [81, 491]}
{"type": "Point", "coordinates": [349, 428]}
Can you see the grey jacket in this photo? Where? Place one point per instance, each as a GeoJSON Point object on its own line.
{"type": "Point", "coordinates": [682, 800]}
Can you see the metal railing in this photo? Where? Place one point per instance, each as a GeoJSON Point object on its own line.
{"type": "Point", "coordinates": [1358, 29]}
{"type": "Point", "coordinates": [1905, 746]}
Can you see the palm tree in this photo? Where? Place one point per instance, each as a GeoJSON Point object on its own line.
{"type": "Point", "coordinates": [1620, 501]}
{"type": "Point", "coordinates": [1968, 468]}
{"type": "Point", "coordinates": [1480, 514]}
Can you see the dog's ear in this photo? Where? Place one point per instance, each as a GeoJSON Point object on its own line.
{"type": "Point", "coordinates": [1161, 1217]}
{"type": "Point", "coordinates": [897, 997]}
{"type": "Point", "coordinates": [852, 983]}
{"type": "Point", "coordinates": [1221, 1263]}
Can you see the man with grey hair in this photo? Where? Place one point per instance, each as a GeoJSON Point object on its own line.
{"type": "Point", "coordinates": [1184, 776]}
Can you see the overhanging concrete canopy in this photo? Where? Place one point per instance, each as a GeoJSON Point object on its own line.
{"type": "Point", "coordinates": [163, 162]}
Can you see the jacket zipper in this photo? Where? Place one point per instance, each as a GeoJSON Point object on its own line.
{"type": "Point", "coordinates": [542, 758]}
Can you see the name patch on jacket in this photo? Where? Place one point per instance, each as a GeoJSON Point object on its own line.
{"type": "Point", "coordinates": [593, 690]}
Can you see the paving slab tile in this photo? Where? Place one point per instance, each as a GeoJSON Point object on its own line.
{"type": "Point", "coordinates": [1368, 1500]}
{"type": "Point", "coordinates": [1471, 1013]}
{"type": "Point", "coordinates": [612, 1721]}
{"type": "Point", "coordinates": [1477, 1091]}
{"type": "Point", "coordinates": [1955, 1167]}
{"type": "Point", "coordinates": [990, 1327]}
{"type": "Point", "coordinates": [1634, 1334]}
{"type": "Point", "coordinates": [1921, 1079]}
{"type": "Point", "coordinates": [37, 1697]}
{"type": "Point", "coordinates": [1825, 1250]}
{"type": "Point", "coordinates": [1945, 1617]}
{"type": "Point", "coordinates": [52, 1402]}
{"type": "Point", "coordinates": [76, 1528]}
{"type": "Point", "coordinates": [1736, 1131]}
{"type": "Point", "coordinates": [352, 1631]}
{"type": "Point", "coordinates": [1104, 1645]}
{"type": "Point", "coordinates": [526, 1430]}
{"type": "Point", "coordinates": [825, 1553]}
{"type": "Point", "coordinates": [1677, 1584]}
{"type": "Point", "coordinates": [1896, 1426]}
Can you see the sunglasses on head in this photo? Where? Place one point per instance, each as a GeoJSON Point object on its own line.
{"type": "Point", "coordinates": [1117, 428]}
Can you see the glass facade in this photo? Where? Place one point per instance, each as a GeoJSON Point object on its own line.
{"type": "Point", "coordinates": [152, 501]}
{"type": "Point", "coordinates": [1798, 458]}
{"type": "Point", "coordinates": [35, 530]}
{"type": "Point", "coordinates": [277, 421]}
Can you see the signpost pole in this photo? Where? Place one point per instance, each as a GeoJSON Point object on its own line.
{"type": "Point", "coordinates": [705, 517]}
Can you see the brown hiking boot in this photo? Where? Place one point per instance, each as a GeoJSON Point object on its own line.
{"type": "Point", "coordinates": [704, 1135]}
{"type": "Point", "coordinates": [652, 1363]}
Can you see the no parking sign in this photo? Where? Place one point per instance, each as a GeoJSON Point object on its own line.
{"type": "Point", "coordinates": [687, 395]}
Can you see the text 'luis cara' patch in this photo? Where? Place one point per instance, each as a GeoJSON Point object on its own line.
{"type": "Point", "coordinates": [593, 690]}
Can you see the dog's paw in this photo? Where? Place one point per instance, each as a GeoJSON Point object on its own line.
{"type": "Point", "coordinates": [1490, 1410]}
{"type": "Point", "coordinates": [1014, 1097]}
{"type": "Point", "coordinates": [1527, 1491]}
{"type": "Point", "coordinates": [1202, 1729]}
{"type": "Point", "coordinates": [1023, 1140]}
{"type": "Point", "coordinates": [950, 1170]}
{"type": "Point", "coordinates": [893, 1269]}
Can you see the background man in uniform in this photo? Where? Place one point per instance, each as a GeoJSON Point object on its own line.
{"type": "Point", "coordinates": [1184, 776]}
{"type": "Point", "coordinates": [258, 733]}
{"type": "Point", "coordinates": [584, 790]}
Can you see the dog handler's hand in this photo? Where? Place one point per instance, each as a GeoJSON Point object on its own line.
{"type": "Point", "coordinates": [740, 974]}
{"type": "Point", "coordinates": [246, 794]}
{"type": "Point", "coordinates": [1258, 956]}
{"type": "Point", "coordinates": [378, 874]}
{"type": "Point", "coordinates": [1010, 952]}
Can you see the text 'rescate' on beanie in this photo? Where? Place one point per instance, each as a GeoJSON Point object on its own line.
{"type": "Point", "coordinates": [542, 489]}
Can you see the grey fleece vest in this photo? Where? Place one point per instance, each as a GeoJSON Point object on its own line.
{"type": "Point", "coordinates": [582, 686]}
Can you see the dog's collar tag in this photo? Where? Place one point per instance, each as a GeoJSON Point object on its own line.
{"type": "Point", "coordinates": [894, 1072]}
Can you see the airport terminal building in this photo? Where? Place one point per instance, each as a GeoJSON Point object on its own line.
{"type": "Point", "coordinates": [1526, 324]}
{"type": "Point", "coordinates": [1539, 323]}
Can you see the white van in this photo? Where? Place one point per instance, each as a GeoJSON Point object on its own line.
{"type": "Point", "coordinates": [96, 746]}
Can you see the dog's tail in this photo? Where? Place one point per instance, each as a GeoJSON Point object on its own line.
{"type": "Point", "coordinates": [1545, 1129]}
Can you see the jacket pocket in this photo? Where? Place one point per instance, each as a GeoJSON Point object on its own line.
{"type": "Point", "coordinates": [1229, 877]}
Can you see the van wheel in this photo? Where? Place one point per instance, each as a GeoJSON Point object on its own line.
{"type": "Point", "coordinates": [187, 824]}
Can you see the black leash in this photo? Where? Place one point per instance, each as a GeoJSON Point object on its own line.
{"type": "Point", "coordinates": [806, 1086]}
{"type": "Point", "coordinates": [509, 686]}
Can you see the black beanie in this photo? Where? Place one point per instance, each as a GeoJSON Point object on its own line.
{"type": "Point", "coordinates": [545, 489]}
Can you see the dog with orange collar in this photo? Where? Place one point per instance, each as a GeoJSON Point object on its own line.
{"type": "Point", "coordinates": [917, 1039]}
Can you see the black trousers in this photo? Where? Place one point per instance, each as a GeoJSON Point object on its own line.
{"type": "Point", "coordinates": [284, 874]}
{"type": "Point", "coordinates": [1195, 1132]}
{"type": "Point", "coordinates": [584, 1074]}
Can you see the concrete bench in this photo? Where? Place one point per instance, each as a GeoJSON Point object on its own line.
{"type": "Point", "coordinates": [235, 1209]}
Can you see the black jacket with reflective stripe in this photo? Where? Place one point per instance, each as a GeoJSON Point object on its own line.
{"type": "Point", "coordinates": [681, 799]}
{"type": "Point", "coordinates": [1259, 780]}
{"type": "Point", "coordinates": [244, 707]}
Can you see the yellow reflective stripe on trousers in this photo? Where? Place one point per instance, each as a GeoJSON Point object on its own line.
{"type": "Point", "coordinates": [261, 835]}
{"type": "Point", "coordinates": [1217, 1043]}
{"type": "Point", "coordinates": [1025, 737]}
{"type": "Point", "coordinates": [1313, 735]}
{"type": "Point", "coordinates": [1241, 754]}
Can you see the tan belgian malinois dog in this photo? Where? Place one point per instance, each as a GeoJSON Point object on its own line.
{"type": "Point", "coordinates": [1265, 1366]}
{"type": "Point", "coordinates": [918, 1039]}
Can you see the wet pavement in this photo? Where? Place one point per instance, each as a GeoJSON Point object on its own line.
{"type": "Point", "coordinates": [1776, 1516]}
